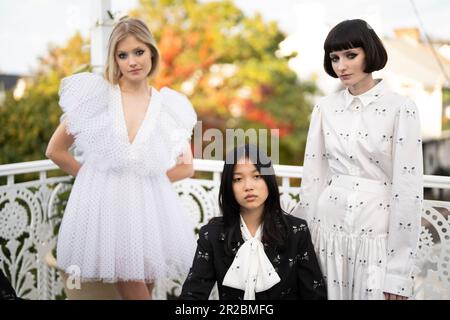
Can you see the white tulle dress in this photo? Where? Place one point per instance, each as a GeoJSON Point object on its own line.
{"type": "Point", "coordinates": [124, 220]}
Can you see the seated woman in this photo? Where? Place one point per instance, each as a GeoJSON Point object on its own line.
{"type": "Point", "coordinates": [255, 251]}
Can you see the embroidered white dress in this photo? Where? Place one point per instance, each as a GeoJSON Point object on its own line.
{"type": "Point", "coordinates": [362, 192]}
{"type": "Point", "coordinates": [251, 270]}
{"type": "Point", "coordinates": [123, 220]}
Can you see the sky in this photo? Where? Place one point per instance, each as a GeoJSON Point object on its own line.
{"type": "Point", "coordinates": [27, 27]}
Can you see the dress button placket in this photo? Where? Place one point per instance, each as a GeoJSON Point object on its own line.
{"type": "Point", "coordinates": [355, 124]}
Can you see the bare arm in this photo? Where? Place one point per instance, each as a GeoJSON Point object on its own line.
{"type": "Point", "coordinates": [58, 150]}
{"type": "Point", "coordinates": [184, 167]}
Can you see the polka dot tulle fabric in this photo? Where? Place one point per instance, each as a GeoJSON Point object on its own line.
{"type": "Point", "coordinates": [124, 221]}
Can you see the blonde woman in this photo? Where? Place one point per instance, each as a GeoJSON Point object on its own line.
{"type": "Point", "coordinates": [123, 222]}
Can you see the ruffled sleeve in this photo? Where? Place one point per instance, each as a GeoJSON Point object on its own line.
{"type": "Point", "coordinates": [82, 96]}
{"type": "Point", "coordinates": [183, 116]}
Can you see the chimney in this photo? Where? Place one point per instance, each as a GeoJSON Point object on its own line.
{"type": "Point", "coordinates": [410, 34]}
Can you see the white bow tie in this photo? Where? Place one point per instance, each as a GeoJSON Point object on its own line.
{"type": "Point", "coordinates": [251, 270]}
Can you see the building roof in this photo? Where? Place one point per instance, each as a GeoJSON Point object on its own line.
{"type": "Point", "coordinates": [415, 60]}
{"type": "Point", "coordinates": [8, 81]}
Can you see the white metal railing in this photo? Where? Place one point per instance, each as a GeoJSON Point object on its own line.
{"type": "Point", "coordinates": [30, 212]}
{"type": "Point", "coordinates": [215, 166]}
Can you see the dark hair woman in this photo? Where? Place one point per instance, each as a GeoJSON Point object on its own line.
{"type": "Point", "coordinates": [362, 187]}
{"type": "Point", "coordinates": [255, 250]}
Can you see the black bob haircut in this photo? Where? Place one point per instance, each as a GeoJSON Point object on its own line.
{"type": "Point", "coordinates": [356, 33]}
{"type": "Point", "coordinates": [275, 228]}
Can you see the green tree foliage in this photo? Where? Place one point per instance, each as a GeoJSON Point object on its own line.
{"type": "Point", "coordinates": [28, 123]}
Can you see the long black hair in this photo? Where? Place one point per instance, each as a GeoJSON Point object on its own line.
{"type": "Point", "coordinates": [275, 228]}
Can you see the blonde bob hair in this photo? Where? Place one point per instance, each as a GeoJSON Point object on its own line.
{"type": "Point", "coordinates": [125, 27]}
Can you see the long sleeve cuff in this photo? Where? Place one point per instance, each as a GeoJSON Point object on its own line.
{"type": "Point", "coordinates": [398, 285]}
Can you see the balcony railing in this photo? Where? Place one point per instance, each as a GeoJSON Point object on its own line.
{"type": "Point", "coordinates": [30, 213]}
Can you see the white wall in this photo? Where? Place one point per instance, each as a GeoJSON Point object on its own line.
{"type": "Point", "coordinates": [428, 101]}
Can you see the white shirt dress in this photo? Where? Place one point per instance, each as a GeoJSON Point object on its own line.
{"type": "Point", "coordinates": [362, 192]}
{"type": "Point", "coordinates": [124, 220]}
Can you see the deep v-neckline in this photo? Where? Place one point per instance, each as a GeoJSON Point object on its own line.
{"type": "Point", "coordinates": [144, 120]}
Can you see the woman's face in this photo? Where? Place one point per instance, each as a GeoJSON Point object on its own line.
{"type": "Point", "coordinates": [349, 65]}
{"type": "Point", "coordinates": [133, 58]}
{"type": "Point", "coordinates": [249, 187]}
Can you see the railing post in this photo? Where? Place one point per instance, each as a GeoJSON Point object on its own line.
{"type": "Point", "coordinates": [100, 33]}
{"type": "Point", "coordinates": [285, 182]}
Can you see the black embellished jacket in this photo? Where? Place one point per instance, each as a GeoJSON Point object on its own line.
{"type": "Point", "coordinates": [296, 266]}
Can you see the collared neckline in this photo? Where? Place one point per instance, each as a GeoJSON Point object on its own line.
{"type": "Point", "coordinates": [367, 97]}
